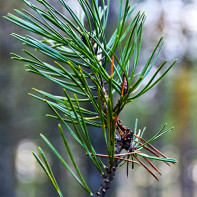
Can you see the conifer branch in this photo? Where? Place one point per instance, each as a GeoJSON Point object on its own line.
{"type": "Point", "coordinates": [81, 58]}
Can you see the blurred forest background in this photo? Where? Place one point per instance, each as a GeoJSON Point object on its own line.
{"type": "Point", "coordinates": [174, 101]}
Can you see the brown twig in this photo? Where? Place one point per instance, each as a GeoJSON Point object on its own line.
{"type": "Point", "coordinates": [115, 157]}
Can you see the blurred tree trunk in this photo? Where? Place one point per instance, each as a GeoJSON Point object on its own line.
{"type": "Point", "coordinates": [6, 140]}
{"type": "Point", "coordinates": [182, 115]}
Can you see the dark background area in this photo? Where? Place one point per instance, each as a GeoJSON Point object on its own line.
{"type": "Point", "coordinates": [174, 101]}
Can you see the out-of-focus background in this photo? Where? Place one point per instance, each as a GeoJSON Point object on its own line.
{"type": "Point", "coordinates": [174, 101]}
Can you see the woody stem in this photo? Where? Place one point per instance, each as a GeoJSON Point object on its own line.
{"type": "Point", "coordinates": [109, 174]}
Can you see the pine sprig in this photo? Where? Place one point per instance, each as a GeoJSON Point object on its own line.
{"type": "Point", "coordinates": [82, 58]}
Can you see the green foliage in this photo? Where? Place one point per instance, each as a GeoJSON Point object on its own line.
{"type": "Point", "coordinates": [82, 59]}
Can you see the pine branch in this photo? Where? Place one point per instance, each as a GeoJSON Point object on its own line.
{"type": "Point", "coordinates": [81, 57]}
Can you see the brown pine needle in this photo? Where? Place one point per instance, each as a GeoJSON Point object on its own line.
{"type": "Point", "coordinates": [152, 165]}
{"type": "Point", "coordinates": [112, 66]}
{"type": "Point", "coordinates": [148, 149]}
{"type": "Point", "coordinates": [122, 89]}
{"type": "Point", "coordinates": [151, 146]}
{"type": "Point", "coordinates": [116, 119]}
{"type": "Point", "coordinates": [124, 85]}
{"type": "Point", "coordinates": [146, 168]}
